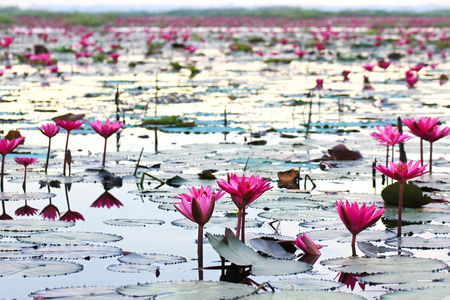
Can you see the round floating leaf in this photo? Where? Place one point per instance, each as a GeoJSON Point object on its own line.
{"type": "Point", "coordinates": [25, 196]}
{"type": "Point", "coordinates": [147, 259]}
{"type": "Point", "coordinates": [133, 222]}
{"type": "Point", "coordinates": [302, 284]}
{"type": "Point", "coordinates": [324, 224]}
{"type": "Point", "coordinates": [415, 242]}
{"type": "Point", "coordinates": [433, 293]}
{"type": "Point", "coordinates": [305, 295]}
{"type": "Point", "coordinates": [238, 253]}
{"type": "Point", "coordinates": [412, 195]}
{"type": "Point", "coordinates": [288, 204]}
{"type": "Point", "coordinates": [68, 238]}
{"type": "Point", "coordinates": [405, 277]}
{"type": "Point", "coordinates": [226, 222]}
{"type": "Point", "coordinates": [187, 290]}
{"type": "Point", "coordinates": [74, 251]}
{"type": "Point", "coordinates": [415, 215]}
{"type": "Point", "coordinates": [32, 225]}
{"type": "Point", "coordinates": [299, 215]}
{"type": "Point", "coordinates": [12, 246]}
{"type": "Point", "coordinates": [217, 207]}
{"type": "Point", "coordinates": [422, 228]}
{"type": "Point", "coordinates": [130, 268]}
{"type": "Point", "coordinates": [322, 235]}
{"type": "Point", "coordinates": [358, 197]}
{"type": "Point", "coordinates": [369, 235]}
{"type": "Point", "coordinates": [38, 267]}
{"type": "Point", "coordinates": [361, 265]}
{"type": "Point", "coordinates": [79, 292]}
{"type": "Point", "coordinates": [371, 250]}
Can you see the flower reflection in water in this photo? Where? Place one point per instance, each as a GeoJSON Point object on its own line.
{"type": "Point", "coordinates": [50, 212]}
{"type": "Point", "coordinates": [70, 215]}
{"type": "Point", "coordinates": [350, 280]}
{"type": "Point", "coordinates": [26, 210]}
{"type": "Point", "coordinates": [4, 215]}
{"type": "Point", "coordinates": [106, 200]}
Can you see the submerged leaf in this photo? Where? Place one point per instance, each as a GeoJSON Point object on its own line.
{"type": "Point", "coordinates": [412, 195]}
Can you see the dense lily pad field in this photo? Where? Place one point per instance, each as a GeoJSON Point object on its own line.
{"type": "Point", "coordinates": [200, 99]}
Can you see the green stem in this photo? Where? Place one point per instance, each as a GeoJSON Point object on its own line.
{"type": "Point", "coordinates": [3, 172]}
{"type": "Point", "coordinates": [48, 154]}
{"type": "Point", "coordinates": [400, 208]}
{"type": "Point", "coordinates": [65, 154]}
{"type": "Point", "coordinates": [421, 152]}
{"type": "Point", "coordinates": [243, 225]}
{"type": "Point", "coordinates": [104, 153]}
{"type": "Point", "coordinates": [238, 227]}
{"type": "Point", "coordinates": [354, 245]}
{"type": "Point", "coordinates": [431, 156]}
{"type": "Point", "coordinates": [200, 252]}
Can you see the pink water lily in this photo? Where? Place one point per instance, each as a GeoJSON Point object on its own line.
{"type": "Point", "coordinates": [25, 161]}
{"type": "Point", "coordinates": [71, 216]}
{"type": "Point", "coordinates": [402, 172]}
{"type": "Point", "coordinates": [198, 207]}
{"type": "Point", "coordinates": [106, 200]}
{"type": "Point", "coordinates": [106, 130]}
{"type": "Point", "coordinates": [6, 147]}
{"type": "Point", "coordinates": [68, 126]}
{"type": "Point", "coordinates": [389, 136]}
{"type": "Point", "coordinates": [50, 212]}
{"type": "Point", "coordinates": [305, 243]}
{"type": "Point", "coordinates": [50, 130]}
{"type": "Point", "coordinates": [26, 210]}
{"type": "Point", "coordinates": [357, 218]}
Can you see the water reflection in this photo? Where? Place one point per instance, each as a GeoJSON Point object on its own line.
{"type": "Point", "coordinates": [26, 210]}
{"type": "Point", "coordinates": [4, 215]}
{"type": "Point", "coordinates": [106, 200]}
{"type": "Point", "coordinates": [350, 280]}
{"type": "Point", "coordinates": [70, 215]}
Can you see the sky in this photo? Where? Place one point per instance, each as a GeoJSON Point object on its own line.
{"type": "Point", "coordinates": [171, 4]}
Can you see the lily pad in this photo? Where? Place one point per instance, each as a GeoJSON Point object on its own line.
{"type": "Point", "coordinates": [305, 295]}
{"type": "Point", "coordinates": [70, 238]}
{"type": "Point", "coordinates": [271, 248]}
{"type": "Point", "coordinates": [38, 267]}
{"type": "Point", "coordinates": [32, 225]}
{"type": "Point", "coordinates": [78, 292]}
{"type": "Point", "coordinates": [133, 222]}
{"type": "Point", "coordinates": [74, 251]}
{"type": "Point", "coordinates": [412, 195]}
{"type": "Point", "coordinates": [148, 259]}
{"type": "Point", "coordinates": [225, 222]}
{"type": "Point", "coordinates": [299, 215]}
{"type": "Point", "coordinates": [187, 290]}
{"type": "Point", "coordinates": [432, 293]}
{"type": "Point", "coordinates": [360, 265]}
{"type": "Point", "coordinates": [132, 268]}
{"type": "Point", "coordinates": [415, 242]}
{"type": "Point", "coordinates": [238, 253]}
{"type": "Point", "coordinates": [305, 284]}
{"type": "Point", "coordinates": [25, 196]}
{"type": "Point", "coordinates": [405, 277]}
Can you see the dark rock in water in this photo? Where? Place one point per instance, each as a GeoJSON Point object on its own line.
{"type": "Point", "coordinates": [395, 56]}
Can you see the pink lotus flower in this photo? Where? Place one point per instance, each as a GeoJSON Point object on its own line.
{"type": "Point", "coordinates": [384, 64]}
{"type": "Point", "coordinates": [320, 46]}
{"type": "Point", "coordinates": [403, 172]}
{"type": "Point", "coordinates": [106, 130]}
{"type": "Point", "coordinates": [199, 205]}
{"type": "Point", "coordinates": [68, 126]}
{"type": "Point", "coordinates": [106, 200]}
{"type": "Point", "coordinates": [419, 127]}
{"type": "Point", "coordinates": [389, 136]}
{"type": "Point", "coordinates": [71, 216]}
{"type": "Point", "coordinates": [25, 161]}
{"type": "Point", "coordinates": [305, 243]}
{"type": "Point", "coordinates": [411, 81]}
{"type": "Point", "coordinates": [368, 67]}
{"type": "Point", "coordinates": [435, 133]}
{"type": "Point", "coordinates": [345, 73]}
{"type": "Point", "coordinates": [50, 212]}
{"type": "Point", "coordinates": [300, 53]}
{"type": "Point", "coordinates": [6, 147]}
{"type": "Point", "coordinates": [319, 84]}
{"type": "Point", "coordinates": [244, 190]}
{"type": "Point", "coordinates": [356, 218]}
{"type": "Point", "coordinates": [26, 210]}
{"type": "Point", "coordinates": [6, 41]}
{"type": "Point", "coordinates": [50, 130]}
{"type": "Point", "coordinates": [115, 57]}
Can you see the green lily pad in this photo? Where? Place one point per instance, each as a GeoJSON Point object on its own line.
{"type": "Point", "coordinates": [405, 277]}
{"type": "Point", "coordinates": [187, 290]}
{"type": "Point", "coordinates": [25, 196]}
{"type": "Point", "coordinates": [271, 248]}
{"type": "Point", "coordinates": [70, 238]}
{"type": "Point", "coordinates": [133, 222]}
{"type": "Point", "coordinates": [432, 293]}
{"type": "Point", "coordinates": [238, 253]}
{"type": "Point", "coordinates": [32, 225]}
{"type": "Point", "coordinates": [74, 251]}
{"type": "Point", "coordinates": [360, 265]}
{"type": "Point", "coordinates": [132, 268]}
{"type": "Point", "coordinates": [412, 195]}
{"type": "Point", "coordinates": [371, 250]}
{"type": "Point", "coordinates": [416, 242]}
{"type": "Point", "coordinates": [38, 267]}
{"type": "Point", "coordinates": [225, 222]}
{"type": "Point", "coordinates": [299, 215]}
{"type": "Point", "coordinates": [78, 292]}
{"type": "Point", "coordinates": [305, 284]}
{"type": "Point", "coordinates": [148, 259]}
{"type": "Point", "coordinates": [304, 295]}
